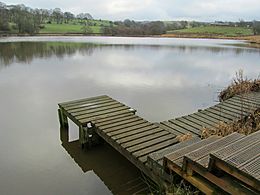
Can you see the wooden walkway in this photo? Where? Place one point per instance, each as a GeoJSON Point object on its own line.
{"type": "Point", "coordinates": [236, 155]}
{"type": "Point", "coordinates": [117, 124]}
{"type": "Point", "coordinates": [228, 111]}
{"type": "Point", "coordinates": [146, 144]}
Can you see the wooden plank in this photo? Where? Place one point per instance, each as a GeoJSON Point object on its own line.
{"type": "Point", "coordinates": [145, 139]}
{"type": "Point", "coordinates": [143, 159]}
{"type": "Point", "coordinates": [150, 143]}
{"type": "Point", "coordinates": [224, 110]}
{"type": "Point", "coordinates": [245, 103]}
{"type": "Point", "coordinates": [90, 105]}
{"type": "Point", "coordinates": [248, 102]}
{"type": "Point", "coordinates": [161, 153]}
{"type": "Point", "coordinates": [205, 117]}
{"type": "Point", "coordinates": [108, 120]}
{"type": "Point", "coordinates": [126, 154]}
{"type": "Point", "coordinates": [205, 122]}
{"type": "Point", "coordinates": [140, 133]}
{"type": "Point", "coordinates": [252, 95]}
{"type": "Point", "coordinates": [102, 112]}
{"type": "Point", "coordinates": [238, 174]}
{"type": "Point", "coordinates": [92, 102]}
{"type": "Point", "coordinates": [124, 126]}
{"type": "Point", "coordinates": [177, 128]}
{"type": "Point", "coordinates": [188, 122]}
{"type": "Point", "coordinates": [216, 114]}
{"type": "Point", "coordinates": [244, 108]}
{"type": "Point", "coordinates": [83, 99]}
{"type": "Point", "coordinates": [226, 183]}
{"type": "Point", "coordinates": [234, 106]}
{"type": "Point", "coordinates": [155, 148]}
{"type": "Point", "coordinates": [228, 109]}
{"type": "Point", "coordinates": [187, 127]}
{"type": "Point", "coordinates": [115, 119]}
{"type": "Point", "coordinates": [92, 114]}
{"type": "Point", "coordinates": [252, 168]}
{"type": "Point", "coordinates": [143, 129]}
{"type": "Point", "coordinates": [199, 153]}
{"type": "Point", "coordinates": [196, 180]}
{"type": "Point", "coordinates": [234, 148]}
{"type": "Point", "coordinates": [103, 116]}
{"type": "Point", "coordinates": [243, 152]}
{"type": "Point", "coordinates": [128, 129]}
{"type": "Point", "coordinates": [88, 112]}
{"type": "Point", "coordinates": [221, 113]}
{"type": "Point", "coordinates": [93, 107]}
{"type": "Point", "coordinates": [70, 116]}
{"type": "Point", "coordinates": [249, 99]}
{"type": "Point", "coordinates": [244, 156]}
{"type": "Point", "coordinates": [170, 130]}
{"type": "Point", "coordinates": [120, 123]}
{"type": "Point", "coordinates": [179, 154]}
{"type": "Point", "coordinates": [196, 123]}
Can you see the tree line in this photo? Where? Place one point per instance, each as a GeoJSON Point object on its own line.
{"type": "Point", "coordinates": [132, 28]}
{"type": "Point", "coordinates": [27, 20]}
{"type": "Point", "coordinates": [23, 19]}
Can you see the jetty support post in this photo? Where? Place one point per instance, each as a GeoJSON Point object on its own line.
{"type": "Point", "coordinates": [63, 119]}
{"type": "Point", "coordinates": [82, 136]}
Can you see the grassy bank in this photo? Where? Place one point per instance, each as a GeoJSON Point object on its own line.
{"type": "Point", "coordinates": [217, 32]}
{"type": "Point", "coordinates": [74, 26]}
{"type": "Point", "coordinates": [227, 31]}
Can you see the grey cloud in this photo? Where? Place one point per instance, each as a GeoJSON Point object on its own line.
{"type": "Point", "coordinates": [204, 10]}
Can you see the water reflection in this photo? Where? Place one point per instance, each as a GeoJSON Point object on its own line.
{"type": "Point", "coordinates": [161, 78]}
{"type": "Point", "coordinates": [25, 52]}
{"type": "Point", "coordinates": [108, 165]}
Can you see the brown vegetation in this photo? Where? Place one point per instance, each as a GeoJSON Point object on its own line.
{"type": "Point", "coordinates": [246, 125]}
{"type": "Point", "coordinates": [240, 85]}
{"type": "Point", "coordinates": [185, 137]}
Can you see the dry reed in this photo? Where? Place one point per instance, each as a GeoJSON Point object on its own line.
{"type": "Point", "coordinates": [246, 125]}
{"type": "Point", "coordinates": [184, 137]}
{"type": "Point", "coordinates": [240, 85]}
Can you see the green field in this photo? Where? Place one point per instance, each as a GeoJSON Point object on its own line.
{"type": "Point", "coordinates": [216, 30]}
{"type": "Point", "coordinates": [74, 27]}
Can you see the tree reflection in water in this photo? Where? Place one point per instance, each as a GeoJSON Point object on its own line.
{"type": "Point", "coordinates": [25, 52]}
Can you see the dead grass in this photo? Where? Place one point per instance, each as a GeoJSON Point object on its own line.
{"type": "Point", "coordinates": [183, 188]}
{"type": "Point", "coordinates": [246, 125]}
{"type": "Point", "coordinates": [240, 85]}
{"type": "Point", "coordinates": [185, 137]}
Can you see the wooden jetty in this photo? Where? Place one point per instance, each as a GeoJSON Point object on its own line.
{"type": "Point", "coordinates": [201, 163]}
{"type": "Point", "coordinates": [150, 146]}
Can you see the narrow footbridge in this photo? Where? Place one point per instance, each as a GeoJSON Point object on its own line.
{"type": "Point", "coordinates": [152, 147]}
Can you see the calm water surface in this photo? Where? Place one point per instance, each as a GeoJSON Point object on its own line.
{"type": "Point", "coordinates": [161, 78]}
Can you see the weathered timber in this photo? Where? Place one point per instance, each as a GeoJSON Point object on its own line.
{"type": "Point", "coordinates": [156, 150]}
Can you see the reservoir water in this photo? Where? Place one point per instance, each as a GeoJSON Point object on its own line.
{"type": "Point", "coordinates": [161, 78]}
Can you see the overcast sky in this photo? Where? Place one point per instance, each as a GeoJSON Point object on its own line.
{"type": "Point", "coordinates": [202, 10]}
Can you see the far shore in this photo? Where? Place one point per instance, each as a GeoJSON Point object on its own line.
{"type": "Point", "coordinates": [253, 40]}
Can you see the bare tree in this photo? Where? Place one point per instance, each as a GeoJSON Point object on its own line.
{"type": "Point", "coordinates": [57, 15]}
